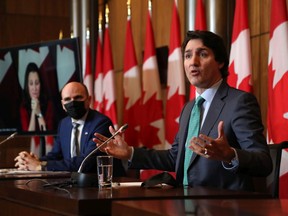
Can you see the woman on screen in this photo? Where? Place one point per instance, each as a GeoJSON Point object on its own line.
{"type": "Point", "coordinates": [36, 111]}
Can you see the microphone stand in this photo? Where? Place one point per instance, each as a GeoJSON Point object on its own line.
{"type": "Point", "coordinates": [42, 144]}
{"type": "Point", "coordinates": [87, 180]}
{"type": "Point", "coordinates": [8, 138]}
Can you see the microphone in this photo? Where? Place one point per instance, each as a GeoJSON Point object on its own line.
{"type": "Point", "coordinates": [9, 137]}
{"type": "Point", "coordinates": [84, 180]}
{"type": "Point", "coordinates": [42, 143]}
{"type": "Point", "coordinates": [121, 130]}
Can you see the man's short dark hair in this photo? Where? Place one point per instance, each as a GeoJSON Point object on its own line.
{"type": "Point", "coordinates": [213, 42]}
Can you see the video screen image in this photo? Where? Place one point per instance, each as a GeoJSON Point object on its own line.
{"type": "Point", "coordinates": [31, 79]}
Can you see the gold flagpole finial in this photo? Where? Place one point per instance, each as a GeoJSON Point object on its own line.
{"type": "Point", "coordinates": [71, 32]}
{"type": "Point", "coordinates": [150, 7]}
{"type": "Point", "coordinates": [100, 20]}
{"type": "Point", "coordinates": [61, 35]}
{"type": "Point", "coordinates": [129, 8]}
{"type": "Point", "coordinates": [107, 14]}
{"type": "Point", "coordinates": [87, 33]}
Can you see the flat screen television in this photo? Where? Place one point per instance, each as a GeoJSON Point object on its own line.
{"type": "Point", "coordinates": [57, 62]}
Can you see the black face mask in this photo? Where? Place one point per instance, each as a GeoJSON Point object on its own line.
{"type": "Point", "coordinates": [75, 109]}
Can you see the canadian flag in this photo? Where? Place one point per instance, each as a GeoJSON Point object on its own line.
{"type": "Point", "coordinates": [132, 90]}
{"type": "Point", "coordinates": [200, 24]}
{"type": "Point", "coordinates": [240, 66]}
{"type": "Point", "coordinates": [108, 88]}
{"type": "Point", "coordinates": [88, 76]}
{"type": "Point", "coordinates": [98, 76]}
{"type": "Point", "coordinates": [152, 105]}
{"type": "Point", "coordinates": [200, 18]}
{"type": "Point", "coordinates": [277, 119]}
{"type": "Point", "coordinates": [175, 80]}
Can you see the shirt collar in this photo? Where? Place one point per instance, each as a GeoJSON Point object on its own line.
{"type": "Point", "coordinates": [209, 93]}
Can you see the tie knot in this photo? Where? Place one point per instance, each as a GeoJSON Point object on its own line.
{"type": "Point", "coordinates": [75, 125]}
{"type": "Point", "coordinates": [199, 101]}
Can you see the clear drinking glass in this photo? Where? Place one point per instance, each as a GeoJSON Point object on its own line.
{"type": "Point", "coordinates": [105, 171]}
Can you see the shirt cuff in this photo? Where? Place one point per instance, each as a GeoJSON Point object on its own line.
{"type": "Point", "coordinates": [43, 165]}
{"type": "Point", "coordinates": [132, 154]}
{"type": "Point", "coordinates": [234, 162]}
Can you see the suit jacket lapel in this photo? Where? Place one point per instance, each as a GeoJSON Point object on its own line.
{"type": "Point", "coordinates": [214, 112]}
{"type": "Point", "coordinates": [185, 122]}
{"type": "Point", "coordinates": [183, 136]}
{"type": "Point", "coordinates": [66, 138]}
{"type": "Point", "coordinates": [215, 109]}
{"type": "Point", "coordinates": [85, 131]}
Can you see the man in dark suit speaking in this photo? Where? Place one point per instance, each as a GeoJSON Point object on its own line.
{"type": "Point", "coordinates": [220, 142]}
{"type": "Point", "coordinates": [74, 140]}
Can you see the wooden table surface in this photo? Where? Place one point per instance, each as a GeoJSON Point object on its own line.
{"type": "Point", "coordinates": [31, 195]}
{"type": "Point", "coordinates": [223, 207]}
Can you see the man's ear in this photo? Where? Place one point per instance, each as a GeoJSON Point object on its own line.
{"type": "Point", "coordinates": [63, 107]}
{"type": "Point", "coordinates": [89, 100]}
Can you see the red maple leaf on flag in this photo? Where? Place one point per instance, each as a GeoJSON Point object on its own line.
{"type": "Point", "coordinates": [151, 122]}
{"type": "Point", "coordinates": [131, 117]}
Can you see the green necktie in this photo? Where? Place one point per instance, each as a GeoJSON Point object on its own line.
{"type": "Point", "coordinates": [193, 130]}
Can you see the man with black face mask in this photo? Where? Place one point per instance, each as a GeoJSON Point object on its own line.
{"type": "Point", "coordinates": [63, 156]}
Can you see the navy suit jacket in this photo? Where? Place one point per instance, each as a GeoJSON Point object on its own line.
{"type": "Point", "coordinates": [244, 130]}
{"type": "Point", "coordinates": [59, 159]}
